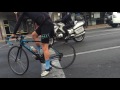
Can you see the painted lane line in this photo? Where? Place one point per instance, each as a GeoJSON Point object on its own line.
{"type": "Point", "coordinates": [93, 51]}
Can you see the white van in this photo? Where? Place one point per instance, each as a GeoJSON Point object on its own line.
{"type": "Point", "coordinates": [112, 18]}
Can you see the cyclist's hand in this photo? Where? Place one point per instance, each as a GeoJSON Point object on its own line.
{"type": "Point", "coordinates": [13, 36]}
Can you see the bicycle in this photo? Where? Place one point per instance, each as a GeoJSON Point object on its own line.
{"type": "Point", "coordinates": [21, 61]}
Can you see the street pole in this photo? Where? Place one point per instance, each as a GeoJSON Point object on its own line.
{"type": "Point", "coordinates": [16, 16]}
{"type": "Point", "coordinates": [85, 15]}
{"type": "Point", "coordinates": [1, 33]}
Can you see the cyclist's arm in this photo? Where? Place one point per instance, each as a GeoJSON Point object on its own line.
{"type": "Point", "coordinates": [18, 23]}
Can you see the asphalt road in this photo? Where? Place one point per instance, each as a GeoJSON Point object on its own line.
{"type": "Point", "coordinates": [98, 56]}
{"type": "Point", "coordinates": [6, 72]}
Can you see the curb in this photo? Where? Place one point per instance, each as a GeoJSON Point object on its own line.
{"type": "Point", "coordinates": [95, 27]}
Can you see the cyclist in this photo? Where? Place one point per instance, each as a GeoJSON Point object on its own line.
{"type": "Point", "coordinates": [45, 29]}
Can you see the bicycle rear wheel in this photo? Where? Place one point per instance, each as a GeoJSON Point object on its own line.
{"type": "Point", "coordinates": [64, 55]}
{"type": "Point", "coordinates": [20, 65]}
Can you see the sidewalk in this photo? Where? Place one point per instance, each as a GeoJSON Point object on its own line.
{"type": "Point", "coordinates": [88, 28]}
{"type": "Point", "coordinates": [97, 26]}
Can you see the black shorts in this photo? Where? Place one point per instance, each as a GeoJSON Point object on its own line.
{"type": "Point", "coordinates": [46, 30]}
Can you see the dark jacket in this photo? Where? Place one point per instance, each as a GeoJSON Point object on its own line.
{"type": "Point", "coordinates": [66, 19]}
{"type": "Point", "coordinates": [43, 16]}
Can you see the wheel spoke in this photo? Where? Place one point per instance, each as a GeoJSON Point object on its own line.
{"type": "Point", "coordinates": [19, 66]}
{"type": "Point", "coordinates": [62, 57]}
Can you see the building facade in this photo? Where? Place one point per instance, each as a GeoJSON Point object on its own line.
{"type": "Point", "coordinates": [93, 18]}
{"type": "Point", "coordinates": [8, 21]}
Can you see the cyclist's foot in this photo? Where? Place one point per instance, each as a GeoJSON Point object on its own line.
{"type": "Point", "coordinates": [46, 72]}
{"type": "Point", "coordinates": [42, 60]}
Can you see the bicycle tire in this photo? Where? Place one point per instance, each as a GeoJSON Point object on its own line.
{"type": "Point", "coordinates": [23, 52]}
{"type": "Point", "coordinates": [60, 64]}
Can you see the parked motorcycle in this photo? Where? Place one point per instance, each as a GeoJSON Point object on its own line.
{"type": "Point", "coordinates": [76, 33]}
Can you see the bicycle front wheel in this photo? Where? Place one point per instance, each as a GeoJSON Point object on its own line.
{"type": "Point", "coordinates": [64, 55]}
{"type": "Point", "coordinates": [18, 60]}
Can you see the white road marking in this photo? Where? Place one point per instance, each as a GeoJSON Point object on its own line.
{"type": "Point", "coordinates": [93, 51]}
{"type": "Point", "coordinates": [55, 73]}
{"type": "Point", "coordinates": [60, 74]}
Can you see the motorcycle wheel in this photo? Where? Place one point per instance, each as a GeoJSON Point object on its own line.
{"type": "Point", "coordinates": [80, 38]}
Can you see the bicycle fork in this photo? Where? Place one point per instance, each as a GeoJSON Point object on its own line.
{"type": "Point", "coordinates": [19, 50]}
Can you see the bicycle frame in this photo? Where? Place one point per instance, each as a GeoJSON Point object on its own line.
{"type": "Point", "coordinates": [56, 55]}
{"type": "Point", "coordinates": [22, 44]}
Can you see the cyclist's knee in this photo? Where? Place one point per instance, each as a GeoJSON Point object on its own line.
{"type": "Point", "coordinates": [34, 35]}
{"type": "Point", "coordinates": [46, 50]}
{"type": "Point", "coordinates": [45, 46]}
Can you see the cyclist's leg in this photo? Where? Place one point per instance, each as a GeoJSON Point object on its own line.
{"type": "Point", "coordinates": [65, 29]}
{"type": "Point", "coordinates": [46, 30]}
{"type": "Point", "coordinates": [35, 36]}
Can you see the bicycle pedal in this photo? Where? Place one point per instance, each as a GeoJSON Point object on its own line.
{"type": "Point", "coordinates": [41, 58]}
{"type": "Point", "coordinates": [36, 58]}
{"type": "Point", "coordinates": [42, 61]}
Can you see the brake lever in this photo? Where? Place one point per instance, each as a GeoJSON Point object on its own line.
{"type": "Point", "coordinates": [7, 41]}
{"type": "Point", "coordinates": [17, 39]}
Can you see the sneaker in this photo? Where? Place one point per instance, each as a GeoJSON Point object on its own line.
{"type": "Point", "coordinates": [46, 72]}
